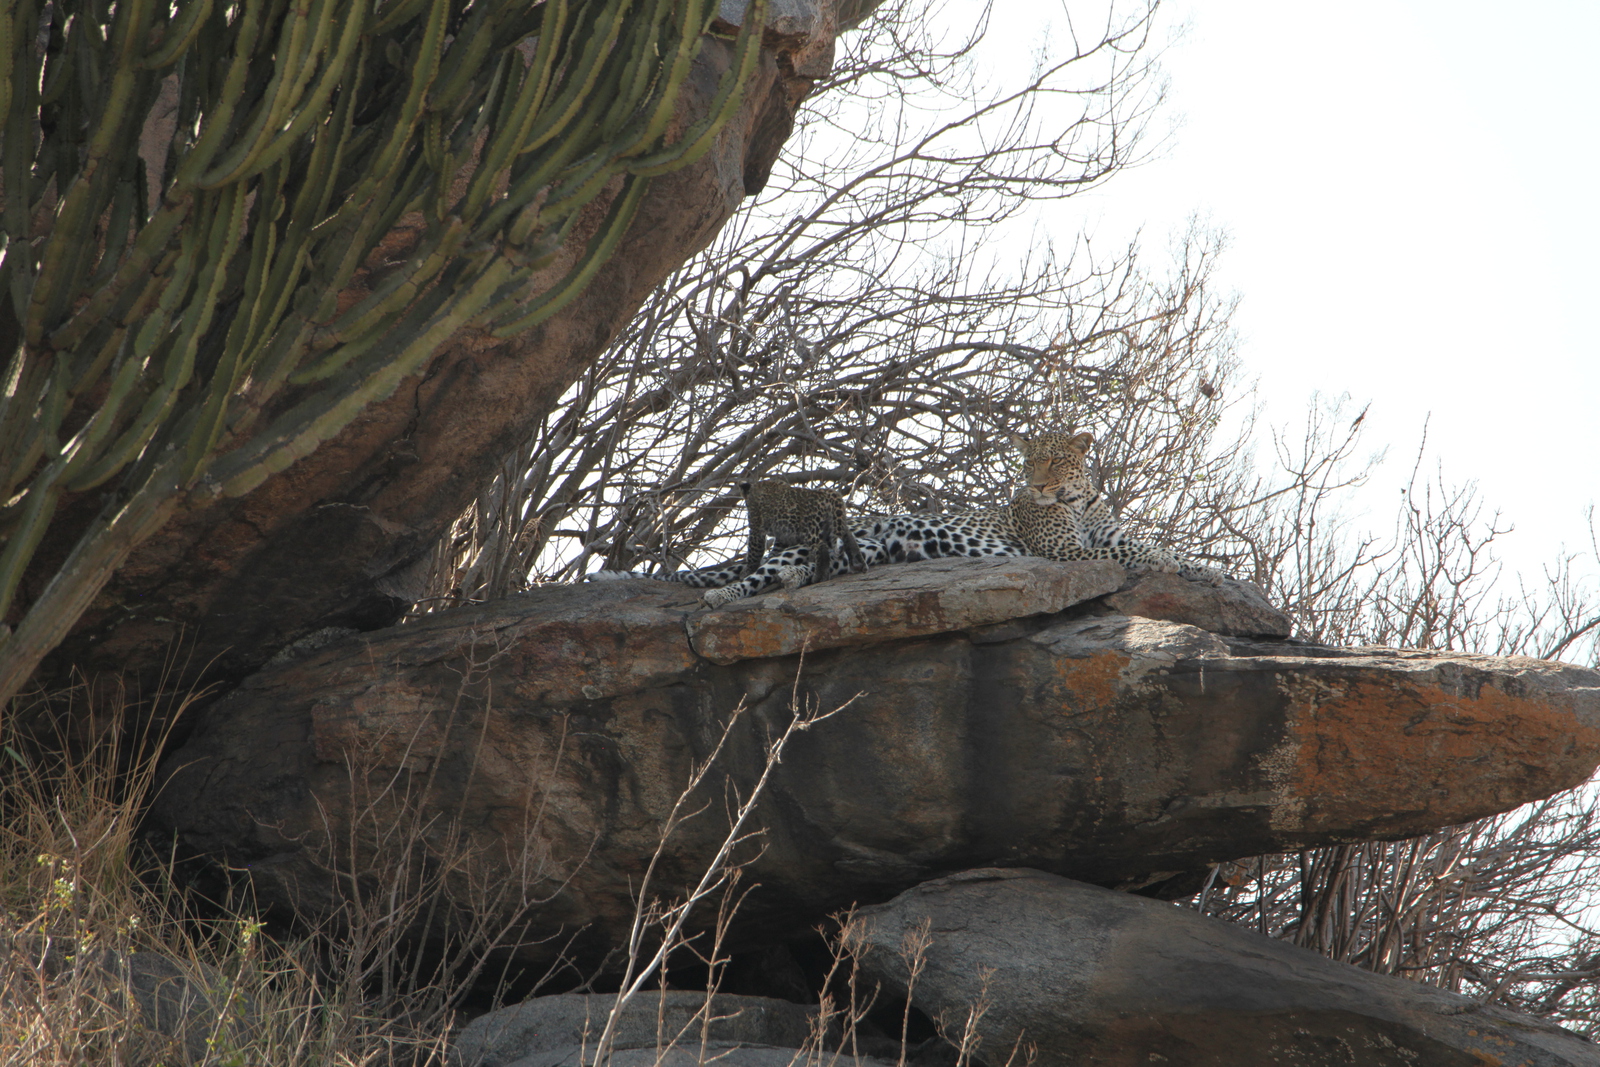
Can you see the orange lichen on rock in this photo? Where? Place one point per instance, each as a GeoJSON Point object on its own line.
{"type": "Point", "coordinates": [1355, 737]}
{"type": "Point", "coordinates": [1089, 684]}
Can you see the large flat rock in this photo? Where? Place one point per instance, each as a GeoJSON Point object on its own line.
{"type": "Point", "coordinates": [556, 730]}
{"type": "Point", "coordinates": [1092, 977]}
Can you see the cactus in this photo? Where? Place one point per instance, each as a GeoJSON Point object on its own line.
{"type": "Point", "coordinates": [149, 313]}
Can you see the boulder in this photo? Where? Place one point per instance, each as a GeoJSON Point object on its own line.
{"type": "Point", "coordinates": [191, 1004]}
{"type": "Point", "coordinates": [668, 1028]}
{"type": "Point", "coordinates": [1093, 977]}
{"type": "Point", "coordinates": [942, 595]}
{"type": "Point", "coordinates": [1234, 609]}
{"type": "Point", "coordinates": [551, 734]}
{"type": "Point", "coordinates": [343, 537]}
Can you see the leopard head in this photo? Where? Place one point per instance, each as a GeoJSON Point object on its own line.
{"type": "Point", "coordinates": [1054, 462]}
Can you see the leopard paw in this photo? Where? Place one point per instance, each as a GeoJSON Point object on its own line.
{"type": "Point", "coordinates": [727, 594]}
{"type": "Point", "coordinates": [794, 576]}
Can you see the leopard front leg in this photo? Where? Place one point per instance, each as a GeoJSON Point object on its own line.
{"type": "Point", "coordinates": [715, 598]}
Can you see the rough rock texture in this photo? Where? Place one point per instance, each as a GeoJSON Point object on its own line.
{"type": "Point", "coordinates": [342, 537]}
{"type": "Point", "coordinates": [1235, 609]}
{"type": "Point", "coordinates": [557, 1031]}
{"type": "Point", "coordinates": [1093, 977]}
{"type": "Point", "coordinates": [676, 1029]}
{"type": "Point", "coordinates": [188, 1003]}
{"type": "Point", "coordinates": [558, 728]}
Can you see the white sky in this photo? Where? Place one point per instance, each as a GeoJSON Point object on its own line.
{"type": "Point", "coordinates": [1410, 190]}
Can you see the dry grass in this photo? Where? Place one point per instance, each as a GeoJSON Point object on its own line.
{"type": "Point", "coordinates": [104, 961]}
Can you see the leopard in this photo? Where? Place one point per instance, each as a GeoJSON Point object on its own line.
{"type": "Point", "coordinates": [886, 539]}
{"type": "Point", "coordinates": [803, 524]}
{"type": "Point", "coordinates": [881, 539]}
{"type": "Point", "coordinates": [733, 580]}
{"type": "Point", "coordinates": [1057, 515]}
{"type": "Point", "coordinates": [792, 515]}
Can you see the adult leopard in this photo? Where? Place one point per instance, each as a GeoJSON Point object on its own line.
{"type": "Point", "coordinates": [1061, 515]}
{"type": "Point", "coordinates": [1058, 515]}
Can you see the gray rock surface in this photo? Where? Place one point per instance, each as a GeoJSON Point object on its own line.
{"type": "Point", "coordinates": [672, 1029]}
{"type": "Point", "coordinates": [1094, 977]}
{"type": "Point", "coordinates": [556, 730]}
{"type": "Point", "coordinates": [562, 1031]}
{"type": "Point", "coordinates": [191, 1004]}
{"type": "Point", "coordinates": [711, 1053]}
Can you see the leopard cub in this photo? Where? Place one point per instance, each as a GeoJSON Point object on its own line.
{"type": "Point", "coordinates": [794, 516]}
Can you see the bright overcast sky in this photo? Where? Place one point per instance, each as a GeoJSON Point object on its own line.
{"type": "Point", "coordinates": [1410, 191]}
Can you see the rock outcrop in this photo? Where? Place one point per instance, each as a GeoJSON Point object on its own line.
{"type": "Point", "coordinates": [1091, 977]}
{"type": "Point", "coordinates": [343, 537]}
{"type": "Point", "coordinates": [991, 721]}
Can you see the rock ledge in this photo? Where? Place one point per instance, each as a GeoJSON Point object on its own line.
{"type": "Point", "coordinates": [1123, 751]}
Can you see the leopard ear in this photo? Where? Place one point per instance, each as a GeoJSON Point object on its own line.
{"type": "Point", "coordinates": [744, 490]}
{"type": "Point", "coordinates": [1083, 441]}
{"type": "Point", "coordinates": [1019, 442]}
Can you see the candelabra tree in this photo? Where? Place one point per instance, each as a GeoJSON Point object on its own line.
{"type": "Point", "coordinates": [196, 197]}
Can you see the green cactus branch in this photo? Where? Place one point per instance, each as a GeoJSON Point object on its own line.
{"type": "Point", "coordinates": [156, 295]}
